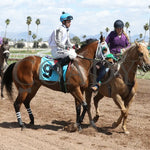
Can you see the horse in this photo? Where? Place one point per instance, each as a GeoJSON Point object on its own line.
{"type": "Point", "coordinates": [122, 87]}
{"type": "Point", "coordinates": [25, 75]}
{"type": "Point", "coordinates": [4, 54]}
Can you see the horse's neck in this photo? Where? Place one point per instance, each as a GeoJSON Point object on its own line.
{"type": "Point", "coordinates": [128, 69]}
{"type": "Point", "coordinates": [88, 54]}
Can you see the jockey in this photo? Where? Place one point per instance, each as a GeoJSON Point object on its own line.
{"type": "Point", "coordinates": [61, 47]}
{"type": "Point", "coordinates": [102, 69]}
{"type": "Point", "coordinates": [118, 39]}
{"type": "Point", "coordinates": [103, 54]}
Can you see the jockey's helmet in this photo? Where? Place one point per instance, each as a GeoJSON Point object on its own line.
{"type": "Point", "coordinates": [118, 24]}
{"type": "Point", "coordinates": [111, 56]}
{"type": "Point", "coordinates": [65, 16]}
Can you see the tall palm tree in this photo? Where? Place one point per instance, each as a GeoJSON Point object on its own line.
{"type": "Point", "coordinates": [7, 21]}
{"type": "Point", "coordinates": [28, 22]}
{"type": "Point", "coordinates": [37, 23]}
{"type": "Point", "coordinates": [107, 30]}
{"type": "Point", "coordinates": [146, 27]}
{"type": "Point", "coordinates": [127, 26]}
{"type": "Point", "coordinates": [29, 33]}
{"type": "Point", "coordinates": [129, 35]}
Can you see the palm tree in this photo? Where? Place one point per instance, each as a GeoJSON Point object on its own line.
{"type": "Point", "coordinates": [28, 22]}
{"type": "Point", "coordinates": [140, 35]}
{"type": "Point", "coordinates": [146, 27]}
{"type": "Point", "coordinates": [107, 30]}
{"type": "Point", "coordinates": [29, 33]}
{"type": "Point", "coordinates": [7, 21]}
{"type": "Point", "coordinates": [34, 36]}
{"type": "Point", "coordinates": [84, 36]}
{"type": "Point", "coordinates": [129, 36]}
{"type": "Point", "coordinates": [37, 23]}
{"type": "Point", "coordinates": [127, 26]}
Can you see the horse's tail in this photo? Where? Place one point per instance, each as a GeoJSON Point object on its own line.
{"type": "Point", "coordinates": [7, 80]}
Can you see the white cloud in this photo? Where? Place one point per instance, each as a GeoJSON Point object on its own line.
{"type": "Point", "coordinates": [90, 16]}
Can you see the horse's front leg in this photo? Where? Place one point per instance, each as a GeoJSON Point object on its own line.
{"type": "Point", "coordinates": [126, 115]}
{"type": "Point", "coordinates": [119, 102]}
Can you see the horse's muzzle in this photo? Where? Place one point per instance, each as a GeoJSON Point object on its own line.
{"type": "Point", "coordinates": [145, 67]}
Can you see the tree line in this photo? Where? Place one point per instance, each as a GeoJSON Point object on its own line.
{"type": "Point", "coordinates": [75, 39]}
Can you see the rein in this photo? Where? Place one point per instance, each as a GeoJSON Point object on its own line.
{"type": "Point", "coordinates": [82, 57]}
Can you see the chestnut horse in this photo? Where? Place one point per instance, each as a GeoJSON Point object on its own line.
{"type": "Point", "coordinates": [25, 75]}
{"type": "Point", "coordinates": [122, 87]}
{"type": "Point", "coordinates": [4, 54]}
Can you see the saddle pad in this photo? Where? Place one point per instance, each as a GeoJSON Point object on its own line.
{"type": "Point", "coordinates": [45, 68]}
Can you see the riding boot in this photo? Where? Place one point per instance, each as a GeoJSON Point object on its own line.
{"type": "Point", "coordinates": [96, 86]}
{"type": "Point", "coordinates": [58, 66]}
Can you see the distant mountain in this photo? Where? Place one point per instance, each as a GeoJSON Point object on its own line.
{"type": "Point", "coordinates": [23, 35]}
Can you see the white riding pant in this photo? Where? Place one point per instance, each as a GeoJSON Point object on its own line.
{"type": "Point", "coordinates": [62, 53]}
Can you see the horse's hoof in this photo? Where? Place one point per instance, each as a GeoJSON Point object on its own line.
{"type": "Point", "coordinates": [22, 127]}
{"type": "Point", "coordinates": [79, 128]}
{"type": "Point", "coordinates": [31, 123]}
{"type": "Point", "coordinates": [95, 119]}
{"type": "Point", "coordinates": [2, 98]}
{"type": "Point", "coordinates": [93, 125]}
{"type": "Point", "coordinates": [126, 132]}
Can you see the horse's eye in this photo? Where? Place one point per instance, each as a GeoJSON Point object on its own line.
{"type": "Point", "coordinates": [141, 54]}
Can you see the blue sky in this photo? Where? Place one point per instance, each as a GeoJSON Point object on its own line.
{"type": "Point", "coordinates": [90, 16]}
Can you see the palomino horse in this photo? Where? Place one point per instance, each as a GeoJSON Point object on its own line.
{"type": "Point", "coordinates": [4, 54]}
{"type": "Point", "coordinates": [124, 85]}
{"type": "Point", "coordinates": [25, 75]}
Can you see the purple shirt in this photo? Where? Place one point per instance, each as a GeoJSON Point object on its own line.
{"type": "Point", "coordinates": [1, 41]}
{"type": "Point", "coordinates": [116, 43]}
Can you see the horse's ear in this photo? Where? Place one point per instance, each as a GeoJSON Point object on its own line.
{"type": "Point", "coordinates": [102, 38]}
{"type": "Point", "coordinates": [137, 44]}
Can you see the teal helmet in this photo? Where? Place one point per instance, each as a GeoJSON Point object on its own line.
{"type": "Point", "coordinates": [65, 16]}
{"type": "Point", "coordinates": [111, 56]}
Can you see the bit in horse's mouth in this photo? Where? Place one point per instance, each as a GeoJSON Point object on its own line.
{"type": "Point", "coordinates": [145, 67]}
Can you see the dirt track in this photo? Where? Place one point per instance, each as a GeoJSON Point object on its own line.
{"type": "Point", "coordinates": [53, 110]}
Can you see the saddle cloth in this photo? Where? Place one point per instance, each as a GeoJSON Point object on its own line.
{"type": "Point", "coordinates": [47, 73]}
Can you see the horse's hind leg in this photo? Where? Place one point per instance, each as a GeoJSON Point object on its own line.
{"type": "Point", "coordinates": [17, 104]}
{"type": "Point", "coordinates": [88, 95]}
{"type": "Point", "coordinates": [97, 98]}
{"type": "Point", "coordinates": [29, 97]}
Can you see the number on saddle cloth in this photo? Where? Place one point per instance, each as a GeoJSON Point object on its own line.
{"type": "Point", "coordinates": [47, 73]}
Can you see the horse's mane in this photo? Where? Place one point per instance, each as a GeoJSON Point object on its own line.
{"type": "Point", "coordinates": [128, 49]}
{"type": "Point", "coordinates": [133, 46]}
{"type": "Point", "coordinates": [86, 43]}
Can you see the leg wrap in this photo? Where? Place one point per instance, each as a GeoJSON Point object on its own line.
{"type": "Point", "coordinates": [30, 115]}
{"type": "Point", "coordinates": [18, 114]}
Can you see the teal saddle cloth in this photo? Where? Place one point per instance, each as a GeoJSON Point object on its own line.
{"type": "Point", "coordinates": [46, 72]}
